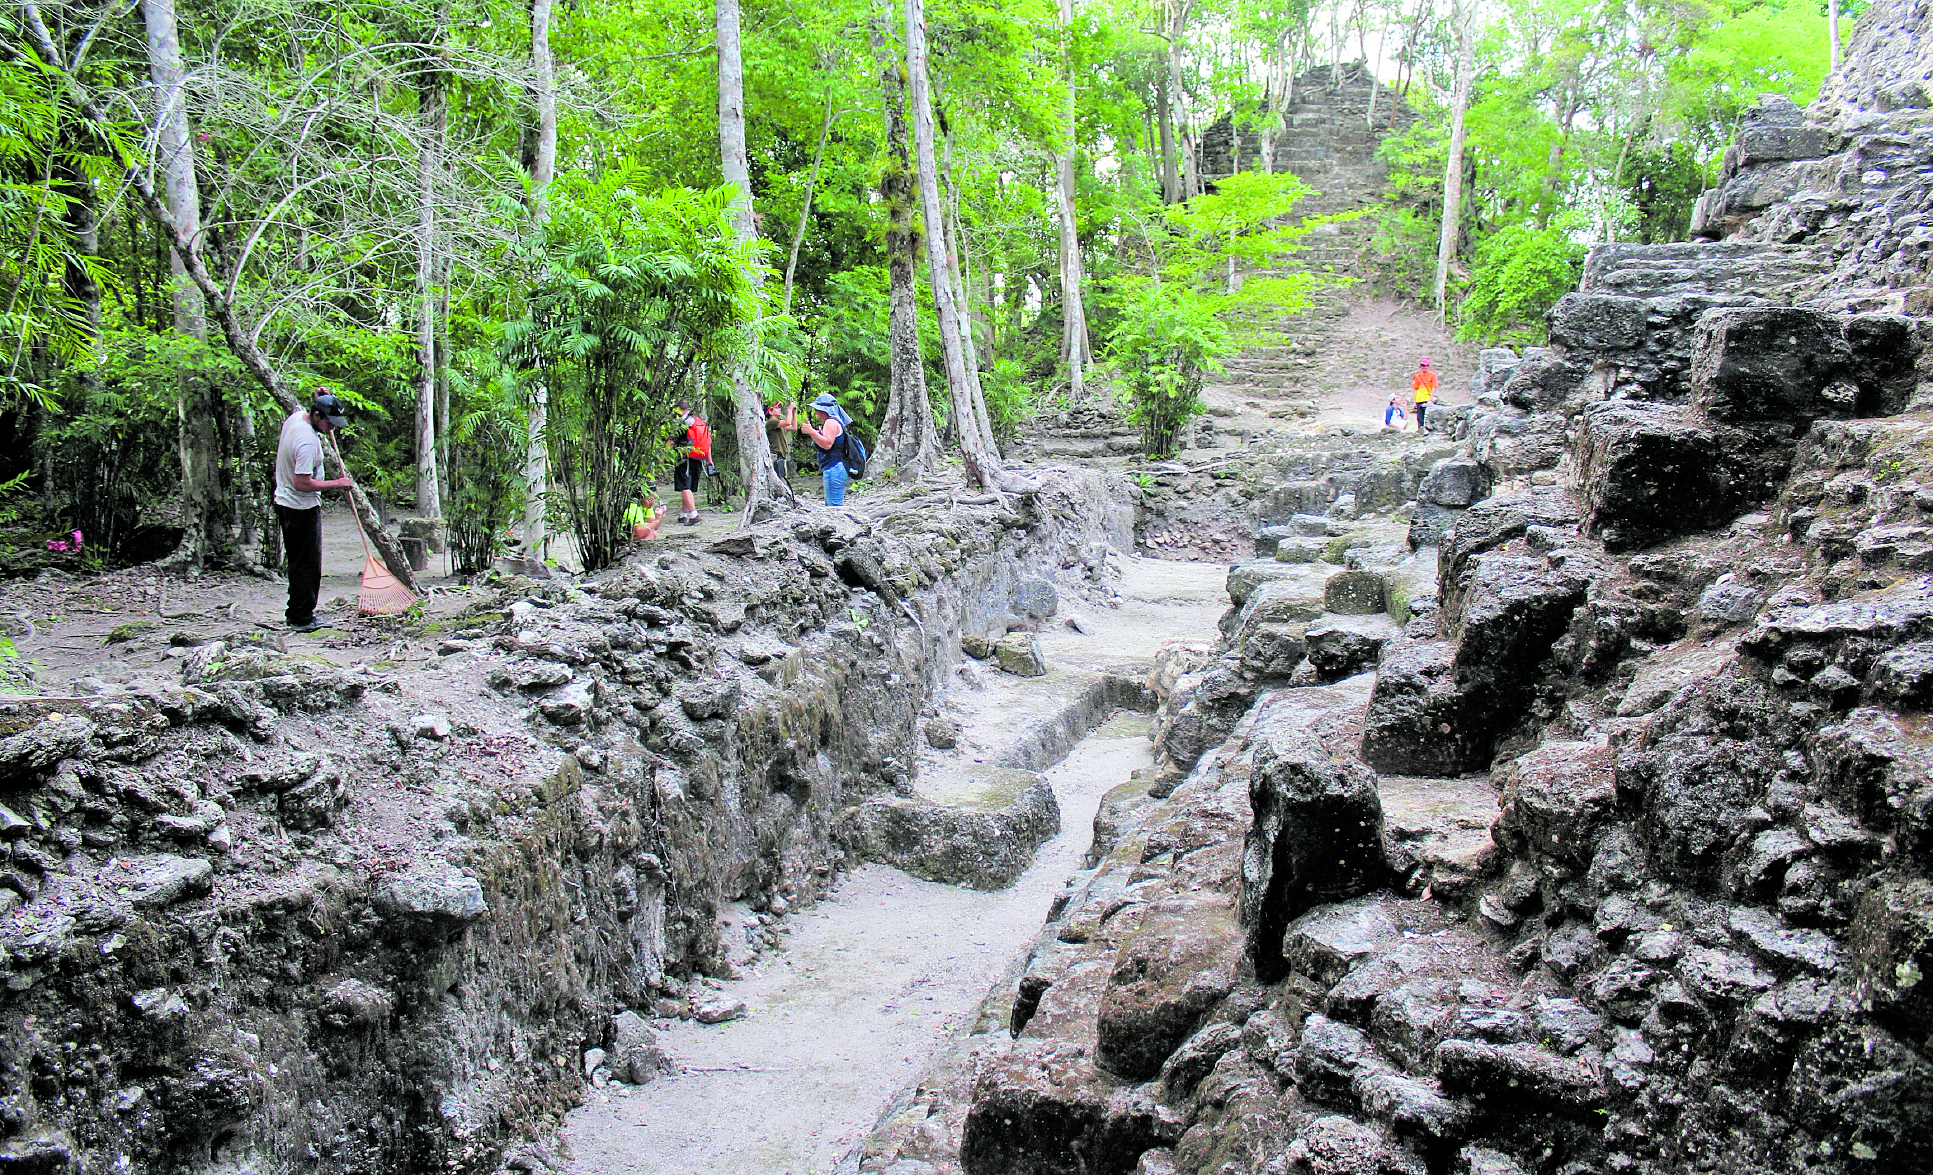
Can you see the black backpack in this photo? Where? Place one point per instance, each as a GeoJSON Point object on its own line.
{"type": "Point", "coordinates": [855, 454]}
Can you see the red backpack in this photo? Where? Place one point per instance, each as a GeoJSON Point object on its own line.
{"type": "Point", "coordinates": [700, 439]}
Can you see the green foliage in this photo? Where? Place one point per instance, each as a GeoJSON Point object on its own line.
{"type": "Point", "coordinates": [486, 446]}
{"type": "Point", "coordinates": [42, 187]}
{"type": "Point", "coordinates": [1520, 272]}
{"type": "Point", "coordinates": [1009, 393]}
{"type": "Point", "coordinates": [639, 290]}
{"type": "Point", "coordinates": [1164, 343]}
{"type": "Point", "coordinates": [1216, 281]}
{"type": "Point", "coordinates": [107, 454]}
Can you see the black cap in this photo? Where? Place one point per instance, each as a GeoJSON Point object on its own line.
{"type": "Point", "coordinates": [331, 409]}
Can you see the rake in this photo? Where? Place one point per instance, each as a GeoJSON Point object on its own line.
{"type": "Point", "coordinates": [381, 594]}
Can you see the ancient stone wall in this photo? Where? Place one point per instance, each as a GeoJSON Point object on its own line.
{"type": "Point", "coordinates": [1851, 178]}
{"type": "Point", "coordinates": [278, 919]}
{"type": "Point", "coordinates": [1327, 137]}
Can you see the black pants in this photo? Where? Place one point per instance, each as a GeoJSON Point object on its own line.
{"type": "Point", "coordinates": [1420, 409]}
{"type": "Point", "coordinates": [302, 548]}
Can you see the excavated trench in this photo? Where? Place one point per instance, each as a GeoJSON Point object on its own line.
{"type": "Point", "coordinates": [878, 976]}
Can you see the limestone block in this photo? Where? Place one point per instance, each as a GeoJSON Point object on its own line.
{"type": "Point", "coordinates": [1273, 650]}
{"type": "Point", "coordinates": [1649, 472]}
{"type": "Point", "coordinates": [1416, 724]}
{"type": "Point", "coordinates": [1043, 1107]}
{"type": "Point", "coordinates": [1776, 144]}
{"type": "Point", "coordinates": [1339, 649]}
{"type": "Point", "coordinates": [984, 844]}
{"type": "Point", "coordinates": [1316, 835]}
{"type": "Point", "coordinates": [1771, 363]}
{"type": "Point", "coordinates": [1180, 963]}
{"type": "Point", "coordinates": [1597, 322]}
{"type": "Point", "coordinates": [1019, 653]}
{"type": "Point", "coordinates": [1557, 799]}
{"type": "Point", "coordinates": [1353, 593]}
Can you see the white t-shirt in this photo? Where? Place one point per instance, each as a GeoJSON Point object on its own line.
{"type": "Point", "coordinates": [299, 452]}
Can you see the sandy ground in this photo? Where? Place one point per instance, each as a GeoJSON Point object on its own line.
{"type": "Point", "coordinates": [879, 975]}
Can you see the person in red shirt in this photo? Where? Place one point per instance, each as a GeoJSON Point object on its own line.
{"type": "Point", "coordinates": [1423, 390]}
{"type": "Point", "coordinates": [694, 451]}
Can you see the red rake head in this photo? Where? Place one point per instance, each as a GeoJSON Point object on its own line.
{"type": "Point", "coordinates": [381, 595]}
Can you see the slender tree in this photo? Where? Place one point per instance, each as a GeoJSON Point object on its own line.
{"type": "Point", "coordinates": [764, 488]}
{"type": "Point", "coordinates": [431, 126]}
{"type": "Point", "coordinates": [1074, 349]}
{"type": "Point", "coordinates": [1453, 171]}
{"type": "Point", "coordinates": [980, 457]}
{"type": "Point", "coordinates": [207, 540]}
{"type": "Point", "coordinates": [543, 171]}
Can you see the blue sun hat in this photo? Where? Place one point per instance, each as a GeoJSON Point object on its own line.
{"type": "Point", "coordinates": [826, 404]}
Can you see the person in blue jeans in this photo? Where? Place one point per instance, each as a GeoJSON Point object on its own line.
{"type": "Point", "coordinates": [828, 432]}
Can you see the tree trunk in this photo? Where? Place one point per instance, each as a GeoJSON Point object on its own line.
{"type": "Point", "coordinates": [956, 262]}
{"type": "Point", "coordinates": [907, 440]}
{"type": "Point", "coordinates": [429, 152]}
{"type": "Point", "coordinates": [542, 172]}
{"type": "Point", "coordinates": [1832, 34]}
{"type": "Point", "coordinates": [1074, 350]}
{"type": "Point", "coordinates": [1175, 183]}
{"type": "Point", "coordinates": [764, 489]}
{"type": "Point", "coordinates": [981, 459]}
{"type": "Point", "coordinates": [1170, 175]}
{"type": "Point", "coordinates": [805, 205]}
{"type": "Point", "coordinates": [208, 540]}
{"type": "Point", "coordinates": [1453, 171]}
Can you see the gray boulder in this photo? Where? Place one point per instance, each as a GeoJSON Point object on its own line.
{"type": "Point", "coordinates": [1035, 599]}
{"type": "Point", "coordinates": [443, 900]}
{"type": "Point", "coordinates": [635, 1055]}
{"type": "Point", "coordinates": [1453, 481]}
{"type": "Point", "coordinates": [151, 883]}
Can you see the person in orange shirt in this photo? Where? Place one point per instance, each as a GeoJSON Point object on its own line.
{"type": "Point", "coordinates": [1423, 385]}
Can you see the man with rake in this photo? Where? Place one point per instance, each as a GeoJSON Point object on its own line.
{"type": "Point", "coordinates": [298, 502]}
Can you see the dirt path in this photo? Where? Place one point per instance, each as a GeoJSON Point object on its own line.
{"type": "Point", "coordinates": [875, 978]}
{"type": "Point", "coordinates": [1361, 357]}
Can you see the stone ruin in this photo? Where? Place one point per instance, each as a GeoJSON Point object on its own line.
{"type": "Point", "coordinates": [1614, 850]}
{"type": "Point", "coordinates": [1557, 799]}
